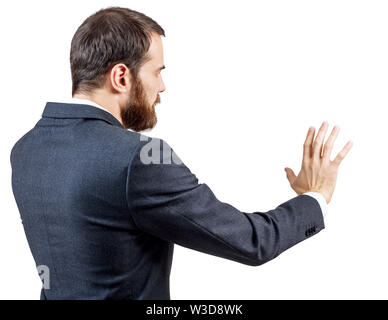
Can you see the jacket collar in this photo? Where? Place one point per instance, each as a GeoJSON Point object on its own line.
{"type": "Point", "coordinates": [75, 110]}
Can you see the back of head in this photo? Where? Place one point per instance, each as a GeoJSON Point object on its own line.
{"type": "Point", "coordinates": [109, 36]}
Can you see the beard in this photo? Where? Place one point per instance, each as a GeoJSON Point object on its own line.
{"type": "Point", "coordinates": [138, 114]}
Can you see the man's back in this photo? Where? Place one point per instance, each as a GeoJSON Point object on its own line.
{"type": "Point", "coordinates": [69, 180]}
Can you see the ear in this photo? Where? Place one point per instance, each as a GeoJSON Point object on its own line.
{"type": "Point", "coordinates": [120, 78]}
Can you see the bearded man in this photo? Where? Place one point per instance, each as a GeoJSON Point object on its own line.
{"type": "Point", "coordinates": [102, 205]}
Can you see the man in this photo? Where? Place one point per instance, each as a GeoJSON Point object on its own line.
{"type": "Point", "coordinates": [102, 206]}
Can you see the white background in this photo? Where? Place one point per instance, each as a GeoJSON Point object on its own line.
{"type": "Point", "coordinates": [244, 81]}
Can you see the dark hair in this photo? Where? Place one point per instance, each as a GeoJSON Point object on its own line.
{"type": "Point", "coordinates": [109, 36]}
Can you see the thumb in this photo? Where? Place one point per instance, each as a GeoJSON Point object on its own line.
{"type": "Point", "coordinates": [290, 175]}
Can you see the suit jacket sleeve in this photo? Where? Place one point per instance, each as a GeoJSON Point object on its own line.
{"type": "Point", "coordinates": [166, 201]}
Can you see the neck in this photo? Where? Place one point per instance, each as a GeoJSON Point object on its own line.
{"type": "Point", "coordinates": [106, 102]}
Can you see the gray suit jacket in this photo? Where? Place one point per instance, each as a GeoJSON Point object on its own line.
{"type": "Point", "coordinates": [102, 208]}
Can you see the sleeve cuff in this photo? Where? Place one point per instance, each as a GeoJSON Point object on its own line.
{"type": "Point", "coordinates": [321, 200]}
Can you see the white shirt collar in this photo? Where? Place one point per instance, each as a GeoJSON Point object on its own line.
{"type": "Point", "coordinates": [84, 101]}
